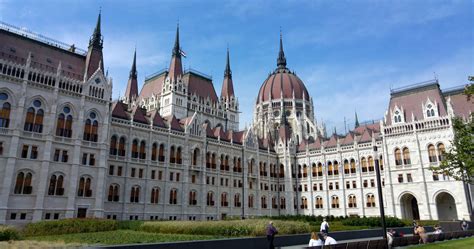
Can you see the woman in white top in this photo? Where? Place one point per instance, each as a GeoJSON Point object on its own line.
{"type": "Point", "coordinates": [315, 241]}
{"type": "Point", "coordinates": [329, 240]}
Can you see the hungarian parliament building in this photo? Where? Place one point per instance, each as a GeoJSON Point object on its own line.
{"type": "Point", "coordinates": [173, 150]}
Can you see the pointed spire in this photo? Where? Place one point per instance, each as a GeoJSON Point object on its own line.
{"type": "Point", "coordinates": [131, 93]}
{"type": "Point", "coordinates": [356, 120]}
{"type": "Point", "coordinates": [96, 39]}
{"type": "Point", "coordinates": [227, 86]}
{"type": "Point", "coordinates": [176, 67]}
{"type": "Point", "coordinates": [281, 61]}
{"type": "Point", "coordinates": [133, 71]}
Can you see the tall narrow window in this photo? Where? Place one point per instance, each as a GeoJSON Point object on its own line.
{"type": "Point", "coordinates": [330, 168]}
{"type": "Point", "coordinates": [174, 196]}
{"type": "Point", "coordinates": [56, 185]}
{"type": "Point", "coordinates": [371, 164]}
{"type": "Point", "coordinates": [441, 152]}
{"type": "Point", "coordinates": [64, 123]}
{"type": "Point", "coordinates": [154, 152]}
{"type": "Point", "coordinates": [336, 168]}
{"type": "Point", "coordinates": [210, 199]}
{"type": "Point", "coordinates": [335, 202]}
{"type": "Point", "coordinates": [172, 155]}
{"type": "Point", "coordinates": [179, 160]}
{"type": "Point", "coordinates": [224, 202]}
{"type": "Point", "coordinates": [363, 165]}
{"type": "Point", "coordinates": [353, 166]}
{"type": "Point", "coordinates": [432, 154]}
{"type": "Point", "coordinates": [319, 202]}
{"type": "Point", "coordinates": [237, 202]}
{"type": "Point", "coordinates": [161, 153]}
{"type": "Point", "coordinates": [352, 201]}
{"type": "Point", "coordinates": [155, 195]}
{"type": "Point", "coordinates": [4, 111]}
{"type": "Point", "coordinates": [135, 149]}
{"type": "Point", "coordinates": [135, 194]}
{"type": "Point", "coordinates": [34, 117]}
{"type": "Point", "coordinates": [406, 156]}
{"type": "Point", "coordinates": [84, 189]}
{"type": "Point", "coordinates": [192, 198]}
{"type": "Point", "coordinates": [23, 183]}
{"type": "Point", "coordinates": [113, 193]}
{"type": "Point", "coordinates": [346, 167]}
{"type": "Point", "coordinates": [121, 147]}
{"type": "Point", "coordinates": [314, 170]}
{"type": "Point", "coordinates": [195, 157]}
{"type": "Point", "coordinates": [113, 145]}
{"type": "Point", "coordinates": [142, 150]}
{"type": "Point", "coordinates": [263, 200]}
{"type": "Point", "coordinates": [320, 169]}
{"type": "Point", "coordinates": [398, 157]}
{"type": "Point", "coordinates": [91, 128]}
{"type": "Point", "coordinates": [370, 200]}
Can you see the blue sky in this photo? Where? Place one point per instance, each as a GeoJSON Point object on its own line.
{"type": "Point", "coordinates": [348, 53]}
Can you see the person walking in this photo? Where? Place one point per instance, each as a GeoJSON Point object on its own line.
{"type": "Point", "coordinates": [464, 225]}
{"type": "Point", "coordinates": [271, 231]}
{"type": "Point", "coordinates": [420, 230]}
{"type": "Point", "coordinates": [315, 240]}
{"type": "Point", "coordinates": [324, 226]}
{"type": "Point", "coordinates": [390, 239]}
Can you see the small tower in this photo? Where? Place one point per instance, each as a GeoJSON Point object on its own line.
{"type": "Point", "coordinates": [94, 58]}
{"type": "Point", "coordinates": [131, 93]}
{"type": "Point", "coordinates": [228, 98]}
{"type": "Point", "coordinates": [174, 99]}
{"type": "Point", "coordinates": [356, 120]}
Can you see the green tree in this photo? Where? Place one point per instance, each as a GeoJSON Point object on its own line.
{"type": "Point", "coordinates": [458, 161]}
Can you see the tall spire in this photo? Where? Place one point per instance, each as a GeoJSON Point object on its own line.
{"type": "Point", "coordinates": [94, 58]}
{"type": "Point", "coordinates": [176, 67]}
{"type": "Point", "coordinates": [96, 39]}
{"type": "Point", "coordinates": [356, 120]}
{"type": "Point", "coordinates": [131, 93]}
{"type": "Point", "coordinates": [281, 61]}
{"type": "Point", "coordinates": [227, 86]}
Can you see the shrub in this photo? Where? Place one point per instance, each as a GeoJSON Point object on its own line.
{"type": "Point", "coordinates": [224, 228]}
{"type": "Point", "coordinates": [69, 226]}
{"type": "Point", "coordinates": [130, 225]}
{"type": "Point", "coordinates": [373, 222]}
{"type": "Point", "coordinates": [8, 233]}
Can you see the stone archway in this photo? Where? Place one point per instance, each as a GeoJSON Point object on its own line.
{"type": "Point", "coordinates": [409, 206]}
{"type": "Point", "coordinates": [446, 207]}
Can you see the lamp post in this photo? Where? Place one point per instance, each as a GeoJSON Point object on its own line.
{"type": "Point", "coordinates": [379, 189]}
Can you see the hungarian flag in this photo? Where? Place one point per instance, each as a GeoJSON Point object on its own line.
{"type": "Point", "coordinates": [182, 53]}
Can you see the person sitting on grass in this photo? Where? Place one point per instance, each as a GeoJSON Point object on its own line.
{"type": "Point", "coordinates": [315, 241]}
{"type": "Point", "coordinates": [437, 229]}
{"type": "Point", "coordinates": [328, 240]}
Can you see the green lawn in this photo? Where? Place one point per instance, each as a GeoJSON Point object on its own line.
{"type": "Point", "coordinates": [458, 244]}
{"type": "Point", "coordinates": [120, 237]}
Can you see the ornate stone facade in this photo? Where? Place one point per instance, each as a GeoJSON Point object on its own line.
{"type": "Point", "coordinates": [174, 150]}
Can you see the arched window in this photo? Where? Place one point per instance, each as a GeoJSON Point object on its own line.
{"type": "Point", "coordinates": [335, 202]}
{"type": "Point", "coordinates": [430, 111]}
{"type": "Point", "coordinates": [121, 147]}
{"type": "Point", "coordinates": [363, 163]}
{"type": "Point", "coordinates": [64, 123]}
{"type": "Point", "coordinates": [84, 189]}
{"type": "Point", "coordinates": [192, 198]}
{"type": "Point", "coordinates": [172, 155]}
{"type": "Point", "coordinates": [381, 162]}
{"type": "Point", "coordinates": [4, 111]}
{"type": "Point", "coordinates": [155, 195]}
{"type": "Point", "coordinates": [406, 156]}
{"type": "Point", "coordinates": [208, 160]}
{"type": "Point", "coordinates": [113, 145]}
{"type": "Point", "coordinates": [34, 117]}
{"type": "Point", "coordinates": [353, 166]}
{"type": "Point", "coordinates": [154, 152]}
{"type": "Point", "coordinates": [263, 201]}
{"type": "Point", "coordinates": [397, 117]}
{"type": "Point", "coordinates": [305, 171]}
{"type": "Point", "coordinates": [222, 162]}
{"type": "Point", "coordinates": [135, 149]}
{"type": "Point", "coordinates": [432, 153]}
{"type": "Point", "coordinates": [314, 170]}
{"type": "Point", "coordinates": [398, 156]}
{"type": "Point", "coordinates": [371, 164]}
{"type": "Point", "coordinates": [346, 167]}
{"type": "Point", "coordinates": [210, 199]}
{"type": "Point", "coordinates": [320, 169]}
{"type": "Point", "coordinates": [56, 185]}
{"type": "Point", "coordinates": [441, 152]}
{"type": "Point", "coordinates": [319, 202]}
{"type": "Point", "coordinates": [330, 168]}
{"type": "Point", "coordinates": [173, 196]}
{"type": "Point", "coordinates": [237, 202]}
{"type": "Point", "coordinates": [135, 194]}
{"type": "Point", "coordinates": [250, 201]}
{"type": "Point", "coordinates": [179, 159]}
{"type": "Point", "coordinates": [352, 201]}
{"type": "Point", "coordinates": [213, 161]}
{"type": "Point", "coordinates": [226, 163]}
{"type": "Point", "coordinates": [142, 153]}
{"type": "Point", "coordinates": [304, 203]}
{"type": "Point", "coordinates": [282, 171]}
{"type": "Point", "coordinates": [282, 203]}
{"type": "Point", "coordinates": [224, 202]}
{"type": "Point", "coordinates": [336, 168]}
{"type": "Point", "coordinates": [274, 202]}
{"type": "Point", "coordinates": [113, 193]}
{"type": "Point", "coordinates": [195, 157]}
{"type": "Point", "coordinates": [91, 128]}
{"type": "Point", "coordinates": [161, 153]}
{"type": "Point", "coordinates": [23, 183]}
{"type": "Point", "coordinates": [370, 200]}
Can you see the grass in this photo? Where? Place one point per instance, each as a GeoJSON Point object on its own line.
{"type": "Point", "coordinates": [119, 237]}
{"type": "Point", "coordinates": [467, 243]}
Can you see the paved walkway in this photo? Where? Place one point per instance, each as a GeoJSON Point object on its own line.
{"type": "Point", "coordinates": [340, 241]}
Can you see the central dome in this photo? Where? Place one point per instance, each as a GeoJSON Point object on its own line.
{"type": "Point", "coordinates": [282, 83]}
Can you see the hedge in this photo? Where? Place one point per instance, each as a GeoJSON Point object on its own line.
{"type": "Point", "coordinates": [66, 226]}
{"type": "Point", "coordinates": [8, 233]}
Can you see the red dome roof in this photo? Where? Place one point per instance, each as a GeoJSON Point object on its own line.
{"type": "Point", "coordinates": [282, 81]}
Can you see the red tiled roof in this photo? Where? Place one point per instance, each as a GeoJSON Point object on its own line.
{"type": "Point", "coordinates": [200, 86]}
{"type": "Point", "coordinates": [119, 110]}
{"type": "Point", "coordinates": [411, 101]}
{"type": "Point", "coordinates": [348, 139]}
{"type": "Point", "coordinates": [46, 57]}
{"type": "Point", "coordinates": [366, 136]}
{"type": "Point", "coordinates": [139, 115]}
{"type": "Point", "coordinates": [227, 88]}
{"type": "Point", "coordinates": [153, 86]}
{"type": "Point", "coordinates": [173, 123]}
{"type": "Point", "coordinates": [332, 141]}
{"type": "Point", "coordinates": [157, 119]}
{"type": "Point", "coordinates": [462, 107]}
{"type": "Point", "coordinates": [238, 137]}
{"type": "Point", "coordinates": [316, 144]}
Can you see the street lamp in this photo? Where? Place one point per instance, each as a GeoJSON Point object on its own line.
{"type": "Point", "coordinates": [379, 189]}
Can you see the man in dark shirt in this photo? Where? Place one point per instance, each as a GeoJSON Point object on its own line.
{"type": "Point", "coordinates": [271, 231]}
